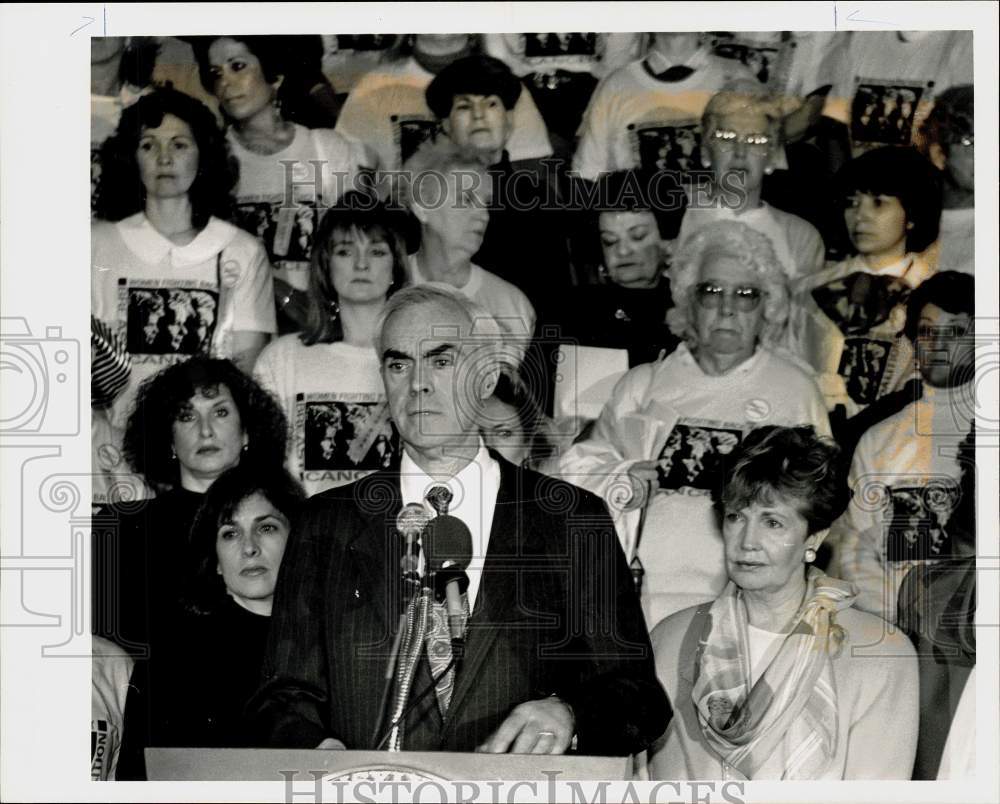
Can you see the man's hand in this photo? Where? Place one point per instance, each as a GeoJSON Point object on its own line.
{"type": "Point", "coordinates": [544, 726]}
{"type": "Point", "coordinates": [642, 475]}
{"type": "Point", "coordinates": [333, 744]}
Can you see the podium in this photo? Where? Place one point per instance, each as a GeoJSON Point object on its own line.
{"type": "Point", "coordinates": [281, 764]}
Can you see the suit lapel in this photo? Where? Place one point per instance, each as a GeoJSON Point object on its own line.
{"type": "Point", "coordinates": [496, 590]}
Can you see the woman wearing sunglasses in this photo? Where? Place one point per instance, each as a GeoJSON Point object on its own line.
{"type": "Point", "coordinates": [660, 445]}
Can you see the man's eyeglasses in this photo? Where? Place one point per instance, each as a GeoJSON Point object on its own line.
{"type": "Point", "coordinates": [727, 140]}
{"type": "Point", "coordinates": [745, 298]}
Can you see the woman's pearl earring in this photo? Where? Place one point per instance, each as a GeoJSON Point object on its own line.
{"type": "Point", "coordinates": [810, 556]}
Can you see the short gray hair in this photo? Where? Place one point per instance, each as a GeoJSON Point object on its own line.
{"type": "Point", "coordinates": [753, 250]}
{"type": "Point", "coordinates": [484, 328]}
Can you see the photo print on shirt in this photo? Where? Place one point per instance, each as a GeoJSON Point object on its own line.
{"type": "Point", "coordinates": [541, 45]}
{"type": "Point", "coordinates": [920, 515]}
{"type": "Point", "coordinates": [673, 147]}
{"type": "Point", "coordinates": [863, 365]}
{"type": "Point", "coordinates": [409, 132]}
{"type": "Point", "coordinates": [343, 433]}
{"type": "Point", "coordinates": [883, 112]}
{"type": "Point", "coordinates": [167, 320]}
{"type": "Point", "coordinates": [695, 454]}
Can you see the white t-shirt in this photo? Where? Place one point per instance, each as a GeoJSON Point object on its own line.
{"type": "Point", "coordinates": [111, 669]}
{"type": "Point", "coordinates": [634, 120]}
{"type": "Point", "coordinates": [594, 53]}
{"type": "Point", "coordinates": [508, 305]}
{"type": "Point", "coordinates": [884, 82]}
{"type": "Point", "coordinates": [853, 370]}
{"type": "Point", "coordinates": [797, 243]}
{"type": "Point", "coordinates": [168, 302]}
{"type": "Point", "coordinates": [333, 397]}
{"type": "Point", "coordinates": [905, 477]}
{"type": "Point", "coordinates": [388, 112]}
{"type": "Point", "coordinates": [702, 419]}
{"type": "Point", "coordinates": [286, 225]}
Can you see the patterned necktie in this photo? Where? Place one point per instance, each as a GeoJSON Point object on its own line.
{"type": "Point", "coordinates": [439, 636]}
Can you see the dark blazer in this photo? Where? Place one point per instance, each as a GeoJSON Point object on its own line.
{"type": "Point", "coordinates": [556, 613]}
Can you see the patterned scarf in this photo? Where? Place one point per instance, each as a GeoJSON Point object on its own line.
{"type": "Point", "coordinates": [859, 302]}
{"type": "Point", "coordinates": [794, 701]}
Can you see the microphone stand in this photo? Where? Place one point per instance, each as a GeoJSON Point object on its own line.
{"type": "Point", "coordinates": [418, 615]}
{"type": "Point", "coordinates": [412, 587]}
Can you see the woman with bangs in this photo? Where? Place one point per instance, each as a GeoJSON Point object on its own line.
{"type": "Point", "coordinates": [847, 320]}
{"type": "Point", "coordinates": [780, 677]}
{"type": "Point", "coordinates": [331, 369]}
{"type": "Point", "coordinates": [658, 448]}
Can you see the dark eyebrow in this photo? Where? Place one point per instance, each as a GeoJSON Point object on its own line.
{"type": "Point", "coordinates": [440, 350]}
{"type": "Point", "coordinates": [393, 354]}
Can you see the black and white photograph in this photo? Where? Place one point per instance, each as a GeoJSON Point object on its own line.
{"type": "Point", "coordinates": [343, 519]}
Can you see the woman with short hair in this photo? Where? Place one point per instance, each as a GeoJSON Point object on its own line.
{"type": "Point", "coordinates": [658, 448]}
{"type": "Point", "coordinates": [847, 319]}
{"type": "Point", "coordinates": [780, 677]}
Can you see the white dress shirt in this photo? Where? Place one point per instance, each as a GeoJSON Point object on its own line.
{"type": "Point", "coordinates": [474, 497]}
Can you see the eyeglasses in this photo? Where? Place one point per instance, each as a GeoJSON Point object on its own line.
{"type": "Point", "coordinates": [727, 140]}
{"type": "Point", "coordinates": [744, 298]}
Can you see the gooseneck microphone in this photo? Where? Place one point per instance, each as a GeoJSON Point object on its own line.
{"type": "Point", "coordinates": [448, 548]}
{"type": "Point", "coordinates": [410, 522]}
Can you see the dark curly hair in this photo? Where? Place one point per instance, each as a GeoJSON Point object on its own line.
{"type": "Point", "coordinates": [354, 211]}
{"type": "Point", "coordinates": [205, 588]}
{"type": "Point", "coordinates": [791, 463]}
{"type": "Point", "coordinates": [903, 173]}
{"type": "Point", "coordinates": [120, 192]}
{"type": "Point", "coordinates": [149, 432]}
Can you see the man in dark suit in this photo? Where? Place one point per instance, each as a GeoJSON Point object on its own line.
{"type": "Point", "coordinates": [556, 648]}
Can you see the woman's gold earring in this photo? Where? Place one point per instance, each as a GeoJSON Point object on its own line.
{"type": "Point", "coordinates": [810, 556]}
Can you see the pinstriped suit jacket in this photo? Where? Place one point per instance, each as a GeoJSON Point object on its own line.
{"type": "Point", "coordinates": [556, 613]}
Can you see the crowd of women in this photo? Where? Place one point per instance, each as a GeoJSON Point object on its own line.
{"type": "Point", "coordinates": [734, 274]}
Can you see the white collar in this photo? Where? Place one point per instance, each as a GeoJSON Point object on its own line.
{"type": "Point", "coordinates": [910, 269]}
{"type": "Point", "coordinates": [415, 482]}
{"type": "Point", "coordinates": [150, 246]}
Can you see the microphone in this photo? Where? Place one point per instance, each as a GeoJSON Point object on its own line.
{"type": "Point", "coordinates": [410, 522]}
{"type": "Point", "coordinates": [448, 547]}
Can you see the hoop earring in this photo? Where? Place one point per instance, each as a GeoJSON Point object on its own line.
{"type": "Point", "coordinates": [810, 556]}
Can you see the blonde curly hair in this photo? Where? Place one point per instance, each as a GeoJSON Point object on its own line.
{"type": "Point", "coordinates": [751, 249]}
